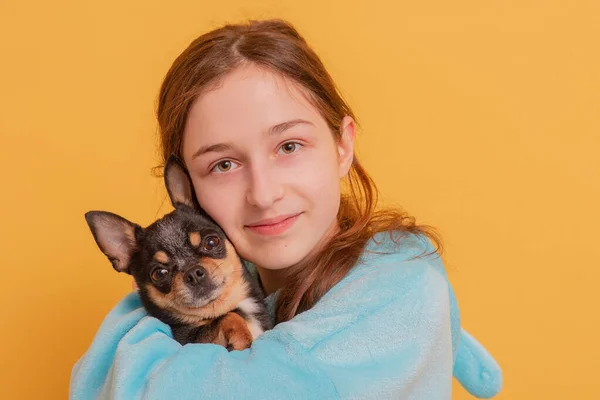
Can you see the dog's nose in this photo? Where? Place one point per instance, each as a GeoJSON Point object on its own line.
{"type": "Point", "coordinates": [194, 276]}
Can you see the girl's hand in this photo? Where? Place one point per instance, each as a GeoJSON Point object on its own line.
{"type": "Point", "coordinates": [134, 285]}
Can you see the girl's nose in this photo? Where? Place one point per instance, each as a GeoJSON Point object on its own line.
{"type": "Point", "coordinates": [264, 188]}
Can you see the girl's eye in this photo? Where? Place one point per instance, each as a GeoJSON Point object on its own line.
{"type": "Point", "coordinates": [224, 166]}
{"type": "Point", "coordinates": [158, 274]}
{"type": "Point", "coordinates": [290, 147]}
{"type": "Point", "coordinates": [211, 242]}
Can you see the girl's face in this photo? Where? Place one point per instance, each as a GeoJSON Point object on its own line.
{"type": "Point", "coordinates": [266, 167]}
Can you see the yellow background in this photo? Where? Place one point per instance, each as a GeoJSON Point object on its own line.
{"type": "Point", "coordinates": [479, 117]}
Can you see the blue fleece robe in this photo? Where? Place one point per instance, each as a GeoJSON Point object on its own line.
{"type": "Point", "coordinates": [389, 330]}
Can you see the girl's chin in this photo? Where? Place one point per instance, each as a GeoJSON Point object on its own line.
{"type": "Point", "coordinates": [279, 260]}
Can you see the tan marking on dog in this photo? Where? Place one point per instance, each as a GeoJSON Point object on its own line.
{"type": "Point", "coordinates": [221, 268]}
{"type": "Point", "coordinates": [167, 302]}
{"type": "Point", "coordinates": [195, 239]}
{"type": "Point", "coordinates": [233, 290]}
{"type": "Point", "coordinates": [229, 269]}
{"type": "Point", "coordinates": [161, 257]}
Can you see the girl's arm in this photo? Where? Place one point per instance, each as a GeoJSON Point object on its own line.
{"type": "Point", "coordinates": [383, 332]}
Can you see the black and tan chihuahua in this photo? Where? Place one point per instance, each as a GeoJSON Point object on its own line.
{"type": "Point", "coordinates": [188, 273]}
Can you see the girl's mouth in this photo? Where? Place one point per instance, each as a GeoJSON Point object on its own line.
{"type": "Point", "coordinates": [274, 226]}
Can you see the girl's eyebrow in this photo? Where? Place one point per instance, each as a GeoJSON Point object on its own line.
{"type": "Point", "coordinates": [272, 131]}
{"type": "Point", "coordinates": [216, 148]}
{"type": "Point", "coordinates": [282, 127]}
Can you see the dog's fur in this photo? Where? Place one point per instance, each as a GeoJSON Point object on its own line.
{"type": "Point", "coordinates": [187, 271]}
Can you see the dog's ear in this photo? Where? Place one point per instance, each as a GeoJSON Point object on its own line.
{"type": "Point", "coordinates": [115, 236]}
{"type": "Point", "coordinates": [178, 184]}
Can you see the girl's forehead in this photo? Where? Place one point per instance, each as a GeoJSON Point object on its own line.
{"type": "Point", "coordinates": [249, 100]}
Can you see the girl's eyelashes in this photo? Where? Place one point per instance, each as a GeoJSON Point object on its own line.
{"type": "Point", "coordinates": [290, 147]}
{"type": "Point", "coordinates": [223, 166]}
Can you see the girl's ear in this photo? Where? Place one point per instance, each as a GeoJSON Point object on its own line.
{"type": "Point", "coordinates": [178, 183]}
{"type": "Point", "coordinates": [346, 145]}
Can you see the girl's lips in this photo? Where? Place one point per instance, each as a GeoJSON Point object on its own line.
{"type": "Point", "coordinates": [274, 226]}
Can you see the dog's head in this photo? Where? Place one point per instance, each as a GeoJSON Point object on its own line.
{"type": "Point", "coordinates": [182, 262]}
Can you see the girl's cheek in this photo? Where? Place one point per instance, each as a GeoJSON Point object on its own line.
{"type": "Point", "coordinates": [219, 201]}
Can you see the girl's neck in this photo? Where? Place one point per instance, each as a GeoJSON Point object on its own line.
{"type": "Point", "coordinates": [270, 279]}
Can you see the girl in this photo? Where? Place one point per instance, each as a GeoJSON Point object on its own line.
{"type": "Point", "coordinates": [363, 305]}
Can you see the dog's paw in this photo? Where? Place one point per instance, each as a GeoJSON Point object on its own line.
{"type": "Point", "coordinates": [234, 333]}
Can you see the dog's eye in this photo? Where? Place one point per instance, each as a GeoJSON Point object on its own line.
{"type": "Point", "coordinates": [211, 242]}
{"type": "Point", "coordinates": [158, 274]}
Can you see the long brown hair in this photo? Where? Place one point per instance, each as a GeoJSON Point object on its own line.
{"type": "Point", "coordinates": [277, 46]}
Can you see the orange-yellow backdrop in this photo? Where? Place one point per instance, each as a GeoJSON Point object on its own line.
{"type": "Point", "coordinates": [481, 118]}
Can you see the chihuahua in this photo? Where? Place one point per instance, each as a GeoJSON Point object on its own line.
{"type": "Point", "coordinates": [188, 273]}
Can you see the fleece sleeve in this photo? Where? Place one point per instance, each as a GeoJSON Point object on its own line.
{"type": "Point", "coordinates": [382, 333]}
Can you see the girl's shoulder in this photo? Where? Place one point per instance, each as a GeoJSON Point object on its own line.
{"type": "Point", "coordinates": [392, 259]}
{"type": "Point", "coordinates": [392, 269]}
{"type": "Point", "coordinates": [403, 269]}
{"type": "Point", "coordinates": [399, 245]}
